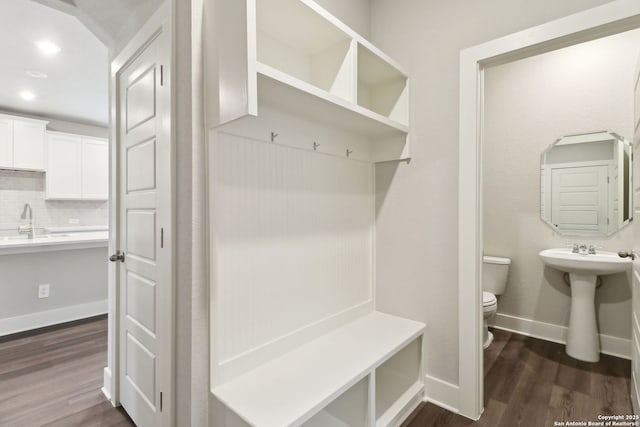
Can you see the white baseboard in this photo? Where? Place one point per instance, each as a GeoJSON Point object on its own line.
{"type": "Point", "coordinates": [106, 388]}
{"type": "Point", "coordinates": [40, 319]}
{"type": "Point", "coordinates": [613, 346]}
{"type": "Point", "coordinates": [442, 393]}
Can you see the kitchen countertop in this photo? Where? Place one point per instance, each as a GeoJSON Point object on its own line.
{"type": "Point", "coordinates": [53, 242]}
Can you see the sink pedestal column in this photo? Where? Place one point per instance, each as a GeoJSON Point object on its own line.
{"type": "Point", "coordinates": [583, 342]}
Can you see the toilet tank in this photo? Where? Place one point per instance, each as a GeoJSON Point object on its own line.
{"type": "Point", "coordinates": [494, 274]}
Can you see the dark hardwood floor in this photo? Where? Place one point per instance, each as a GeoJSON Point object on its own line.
{"type": "Point", "coordinates": [531, 383]}
{"type": "Point", "coordinates": [53, 378]}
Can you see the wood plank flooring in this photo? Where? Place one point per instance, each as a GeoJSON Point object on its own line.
{"type": "Point", "coordinates": [531, 383]}
{"type": "Point", "coordinates": [54, 377]}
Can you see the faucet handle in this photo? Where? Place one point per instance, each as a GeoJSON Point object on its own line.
{"type": "Point", "coordinates": [630, 254]}
{"type": "Point", "coordinates": [574, 247]}
{"type": "Point", "coordinates": [592, 249]}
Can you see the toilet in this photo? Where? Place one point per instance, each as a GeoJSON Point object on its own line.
{"type": "Point", "coordinates": [494, 280]}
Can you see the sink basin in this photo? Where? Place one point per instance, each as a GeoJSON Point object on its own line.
{"type": "Point", "coordinates": [583, 341]}
{"type": "Point", "coordinates": [600, 264]}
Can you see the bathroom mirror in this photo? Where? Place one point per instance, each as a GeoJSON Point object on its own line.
{"type": "Point", "coordinates": [586, 184]}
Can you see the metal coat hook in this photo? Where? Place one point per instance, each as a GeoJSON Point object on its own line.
{"type": "Point", "coordinates": [315, 146]}
{"type": "Point", "coordinates": [349, 152]}
{"type": "Point", "coordinates": [273, 136]}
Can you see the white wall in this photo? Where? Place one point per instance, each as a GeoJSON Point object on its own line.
{"type": "Point", "coordinates": [291, 244]}
{"type": "Point", "coordinates": [528, 105]}
{"type": "Point", "coordinates": [417, 212]}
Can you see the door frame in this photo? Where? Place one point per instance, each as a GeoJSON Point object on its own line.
{"type": "Point", "coordinates": [159, 22]}
{"type": "Point", "coordinates": [608, 19]}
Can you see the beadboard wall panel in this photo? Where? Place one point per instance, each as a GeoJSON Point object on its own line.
{"type": "Point", "coordinates": [292, 243]}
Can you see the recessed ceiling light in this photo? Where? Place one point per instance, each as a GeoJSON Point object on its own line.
{"type": "Point", "coordinates": [47, 47]}
{"type": "Point", "coordinates": [36, 74]}
{"type": "Point", "coordinates": [27, 96]}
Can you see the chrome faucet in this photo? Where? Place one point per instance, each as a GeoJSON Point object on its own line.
{"type": "Point", "coordinates": [26, 228]}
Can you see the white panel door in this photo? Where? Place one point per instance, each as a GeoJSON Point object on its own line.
{"type": "Point", "coordinates": [145, 273]}
{"type": "Point", "coordinates": [635, 317]}
{"type": "Point", "coordinates": [95, 169]}
{"type": "Point", "coordinates": [579, 199]}
{"type": "Point", "coordinates": [6, 143]}
{"type": "Point", "coordinates": [28, 145]}
{"type": "Point", "coordinates": [63, 178]}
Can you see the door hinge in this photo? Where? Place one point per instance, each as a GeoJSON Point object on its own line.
{"type": "Point", "coordinates": [607, 221]}
{"type": "Point", "coordinates": [161, 238]}
{"type": "Point", "coordinates": [608, 180]}
{"type": "Point", "coordinates": [161, 75]}
{"type": "Point", "coordinates": [160, 401]}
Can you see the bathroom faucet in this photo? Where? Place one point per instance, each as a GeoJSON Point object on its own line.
{"type": "Point", "coordinates": [28, 227]}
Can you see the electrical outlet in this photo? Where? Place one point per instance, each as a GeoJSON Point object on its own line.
{"type": "Point", "coordinates": [74, 221]}
{"type": "Point", "coordinates": [43, 291]}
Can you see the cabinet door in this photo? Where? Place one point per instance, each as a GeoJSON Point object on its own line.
{"type": "Point", "coordinates": [6, 143]}
{"type": "Point", "coordinates": [28, 145]}
{"type": "Point", "coordinates": [64, 173]}
{"type": "Point", "coordinates": [95, 169]}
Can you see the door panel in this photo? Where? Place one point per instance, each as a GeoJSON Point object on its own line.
{"type": "Point", "coordinates": [579, 198]}
{"type": "Point", "coordinates": [144, 211]}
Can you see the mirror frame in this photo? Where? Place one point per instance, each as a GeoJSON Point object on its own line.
{"type": "Point", "coordinates": [605, 135]}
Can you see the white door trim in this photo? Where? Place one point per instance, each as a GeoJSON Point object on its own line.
{"type": "Point", "coordinates": [598, 22]}
{"type": "Point", "coordinates": [160, 21]}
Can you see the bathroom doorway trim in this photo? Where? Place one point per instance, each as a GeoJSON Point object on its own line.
{"type": "Point", "coordinates": [602, 21]}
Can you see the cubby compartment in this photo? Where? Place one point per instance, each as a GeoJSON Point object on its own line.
{"type": "Point", "coordinates": [398, 383]}
{"type": "Point", "coordinates": [350, 409]}
{"type": "Point", "coordinates": [382, 87]}
{"type": "Point", "coordinates": [296, 40]}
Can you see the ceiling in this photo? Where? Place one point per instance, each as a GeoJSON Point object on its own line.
{"type": "Point", "coordinates": [76, 88]}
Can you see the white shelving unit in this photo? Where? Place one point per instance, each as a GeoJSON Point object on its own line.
{"type": "Point", "coordinates": [294, 56]}
{"type": "Point", "coordinates": [353, 376]}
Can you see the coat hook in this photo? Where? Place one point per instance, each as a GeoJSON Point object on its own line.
{"type": "Point", "coordinates": [349, 152]}
{"type": "Point", "coordinates": [273, 136]}
{"type": "Point", "coordinates": [315, 146]}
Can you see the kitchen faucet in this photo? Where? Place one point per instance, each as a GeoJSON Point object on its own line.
{"type": "Point", "coordinates": [28, 227]}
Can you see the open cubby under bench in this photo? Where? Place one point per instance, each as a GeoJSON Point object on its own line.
{"type": "Point", "coordinates": [364, 373]}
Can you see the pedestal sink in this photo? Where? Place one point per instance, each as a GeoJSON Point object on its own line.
{"type": "Point", "coordinates": [584, 269]}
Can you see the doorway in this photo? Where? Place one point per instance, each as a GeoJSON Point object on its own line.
{"type": "Point", "coordinates": [606, 20]}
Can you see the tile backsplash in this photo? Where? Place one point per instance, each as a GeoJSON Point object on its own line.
{"type": "Point", "coordinates": [20, 187]}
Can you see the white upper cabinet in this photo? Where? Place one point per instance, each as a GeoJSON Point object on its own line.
{"type": "Point", "coordinates": [95, 169]}
{"type": "Point", "coordinates": [6, 142]}
{"type": "Point", "coordinates": [22, 143]}
{"type": "Point", "coordinates": [77, 167]}
{"type": "Point", "coordinates": [64, 166]}
{"type": "Point", "coordinates": [296, 58]}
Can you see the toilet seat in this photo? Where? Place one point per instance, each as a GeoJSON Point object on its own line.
{"type": "Point", "coordinates": [489, 302]}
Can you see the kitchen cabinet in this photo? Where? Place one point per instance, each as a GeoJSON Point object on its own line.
{"type": "Point", "coordinates": [22, 143]}
{"type": "Point", "coordinates": [77, 167]}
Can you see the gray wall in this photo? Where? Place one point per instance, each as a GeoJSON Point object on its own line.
{"type": "Point", "coordinates": [76, 277]}
{"type": "Point", "coordinates": [528, 105]}
{"type": "Point", "coordinates": [417, 209]}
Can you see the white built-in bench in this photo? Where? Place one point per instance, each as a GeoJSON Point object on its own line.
{"type": "Point", "coordinates": [365, 373]}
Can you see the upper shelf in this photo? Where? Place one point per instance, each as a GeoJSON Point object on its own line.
{"type": "Point", "coordinates": [304, 61]}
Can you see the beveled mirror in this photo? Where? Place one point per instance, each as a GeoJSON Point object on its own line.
{"type": "Point", "coordinates": [586, 184]}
